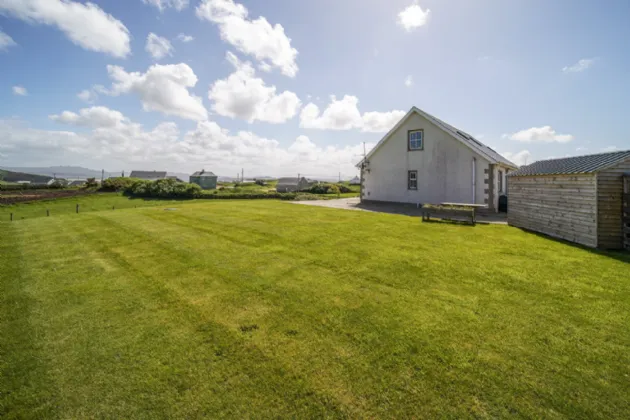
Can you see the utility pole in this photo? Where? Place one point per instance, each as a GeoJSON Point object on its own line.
{"type": "Point", "coordinates": [242, 174]}
{"type": "Point", "coordinates": [339, 176]}
{"type": "Point", "coordinates": [123, 173]}
{"type": "Point", "coordinates": [102, 175]}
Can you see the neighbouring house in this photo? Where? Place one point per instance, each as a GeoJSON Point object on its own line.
{"type": "Point", "coordinates": [23, 182]}
{"type": "Point", "coordinates": [355, 181]}
{"type": "Point", "coordinates": [579, 199]}
{"type": "Point", "coordinates": [60, 181]}
{"type": "Point", "coordinates": [148, 175]}
{"type": "Point", "coordinates": [77, 183]}
{"type": "Point", "coordinates": [292, 184]}
{"type": "Point", "coordinates": [423, 160]}
{"type": "Point", "coordinates": [206, 180]}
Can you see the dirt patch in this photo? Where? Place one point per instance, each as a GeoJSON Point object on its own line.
{"type": "Point", "coordinates": [13, 197]}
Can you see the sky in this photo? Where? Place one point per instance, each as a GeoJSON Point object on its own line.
{"type": "Point", "coordinates": [281, 87]}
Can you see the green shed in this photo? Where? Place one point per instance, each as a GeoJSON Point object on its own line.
{"type": "Point", "coordinates": [206, 180]}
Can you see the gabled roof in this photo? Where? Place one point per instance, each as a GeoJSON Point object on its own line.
{"type": "Point", "coordinates": [203, 173]}
{"type": "Point", "coordinates": [573, 165]}
{"type": "Point", "coordinates": [460, 135]}
{"type": "Point", "coordinates": [148, 174]}
{"type": "Point", "coordinates": [290, 181]}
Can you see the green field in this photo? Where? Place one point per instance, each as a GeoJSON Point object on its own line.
{"type": "Point", "coordinates": [267, 309]}
{"type": "Point", "coordinates": [88, 203]}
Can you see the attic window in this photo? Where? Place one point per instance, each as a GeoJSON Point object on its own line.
{"type": "Point", "coordinates": [415, 140]}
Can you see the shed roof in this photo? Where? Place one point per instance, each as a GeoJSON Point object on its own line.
{"type": "Point", "coordinates": [468, 140]}
{"type": "Point", "coordinates": [573, 165]}
{"type": "Point", "coordinates": [203, 173]}
{"type": "Point", "coordinates": [148, 174]}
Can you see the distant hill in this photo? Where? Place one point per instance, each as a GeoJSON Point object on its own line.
{"type": "Point", "coordinates": [11, 176]}
{"type": "Point", "coordinates": [68, 172]}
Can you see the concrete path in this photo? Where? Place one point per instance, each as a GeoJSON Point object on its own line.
{"type": "Point", "coordinates": [393, 208]}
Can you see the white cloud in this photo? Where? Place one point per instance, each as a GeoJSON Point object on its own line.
{"type": "Point", "coordinates": [161, 5]}
{"type": "Point", "coordinates": [257, 38]}
{"type": "Point", "coordinates": [163, 88]}
{"type": "Point", "coordinates": [158, 46]}
{"type": "Point", "coordinates": [544, 134]}
{"type": "Point", "coordinates": [610, 149]}
{"type": "Point", "coordinates": [85, 24]}
{"type": "Point", "coordinates": [413, 17]}
{"type": "Point", "coordinates": [409, 81]}
{"type": "Point", "coordinates": [6, 41]}
{"type": "Point", "coordinates": [185, 38]}
{"type": "Point", "coordinates": [112, 139]}
{"type": "Point", "coordinates": [91, 95]}
{"type": "Point", "coordinates": [339, 115]}
{"type": "Point", "coordinates": [381, 122]}
{"type": "Point", "coordinates": [20, 91]}
{"type": "Point", "coordinates": [87, 95]}
{"type": "Point", "coordinates": [344, 114]}
{"type": "Point", "coordinates": [95, 117]}
{"type": "Point", "coordinates": [581, 149]}
{"type": "Point", "coordinates": [521, 158]}
{"type": "Point", "coordinates": [243, 95]}
{"type": "Point", "coordinates": [580, 66]}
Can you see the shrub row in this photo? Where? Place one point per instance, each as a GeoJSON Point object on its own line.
{"type": "Point", "coordinates": [170, 188]}
{"type": "Point", "coordinates": [329, 189]}
{"type": "Point", "coordinates": [163, 188]}
{"type": "Point", "coordinates": [118, 184]}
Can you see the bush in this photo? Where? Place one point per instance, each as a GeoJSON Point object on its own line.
{"type": "Point", "coordinates": [326, 189]}
{"type": "Point", "coordinates": [90, 183]}
{"type": "Point", "coordinates": [261, 182]}
{"type": "Point", "coordinates": [118, 184]}
{"type": "Point", "coordinates": [163, 188]}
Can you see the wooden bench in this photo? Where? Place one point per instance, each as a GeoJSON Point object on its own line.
{"type": "Point", "coordinates": [455, 212]}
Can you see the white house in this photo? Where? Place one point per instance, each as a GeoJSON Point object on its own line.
{"type": "Point", "coordinates": [423, 160]}
{"type": "Point", "coordinates": [355, 181]}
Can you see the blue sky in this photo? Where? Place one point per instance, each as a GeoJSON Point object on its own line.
{"type": "Point", "coordinates": [533, 79]}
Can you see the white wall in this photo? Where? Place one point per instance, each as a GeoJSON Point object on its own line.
{"type": "Point", "coordinates": [444, 168]}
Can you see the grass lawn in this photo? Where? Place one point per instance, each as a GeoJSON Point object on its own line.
{"type": "Point", "coordinates": [268, 309]}
{"type": "Point", "coordinates": [87, 203]}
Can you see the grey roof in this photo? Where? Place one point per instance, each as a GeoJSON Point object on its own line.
{"type": "Point", "coordinates": [573, 165]}
{"type": "Point", "coordinates": [148, 174]}
{"type": "Point", "coordinates": [203, 173]}
{"type": "Point", "coordinates": [471, 141]}
{"type": "Point", "coordinates": [289, 181]}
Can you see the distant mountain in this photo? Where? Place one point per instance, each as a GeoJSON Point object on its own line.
{"type": "Point", "coordinates": [68, 172]}
{"type": "Point", "coordinates": [13, 176]}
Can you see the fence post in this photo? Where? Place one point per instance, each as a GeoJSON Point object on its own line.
{"type": "Point", "coordinates": [77, 208]}
{"type": "Point", "coordinates": [11, 216]}
{"type": "Point", "coordinates": [113, 208]}
{"type": "Point", "coordinates": [47, 212]}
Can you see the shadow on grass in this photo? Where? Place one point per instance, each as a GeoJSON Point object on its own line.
{"type": "Point", "coordinates": [619, 255]}
{"type": "Point", "coordinates": [450, 222]}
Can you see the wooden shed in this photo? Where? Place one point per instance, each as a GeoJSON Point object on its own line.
{"type": "Point", "coordinates": [579, 199]}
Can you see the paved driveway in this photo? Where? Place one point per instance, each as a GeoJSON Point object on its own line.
{"type": "Point", "coordinates": [393, 208]}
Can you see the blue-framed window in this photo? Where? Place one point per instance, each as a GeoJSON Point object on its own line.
{"type": "Point", "coordinates": [415, 140]}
